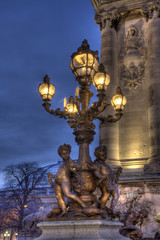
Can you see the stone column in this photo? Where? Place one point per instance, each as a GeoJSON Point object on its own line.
{"type": "Point", "coordinates": [109, 132]}
{"type": "Point", "coordinates": [153, 68]}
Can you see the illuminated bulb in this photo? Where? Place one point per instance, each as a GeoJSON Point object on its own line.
{"type": "Point", "coordinates": [46, 90]}
{"type": "Point", "coordinates": [65, 102]}
{"type": "Point", "coordinates": [77, 92]}
{"type": "Point", "coordinates": [101, 79]}
{"type": "Point", "coordinates": [118, 100]}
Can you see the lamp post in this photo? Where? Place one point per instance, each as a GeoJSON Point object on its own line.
{"type": "Point", "coordinates": [6, 235]}
{"type": "Point", "coordinates": [80, 115]}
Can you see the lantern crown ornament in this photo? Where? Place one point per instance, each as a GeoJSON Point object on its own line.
{"type": "Point", "coordinates": [84, 63]}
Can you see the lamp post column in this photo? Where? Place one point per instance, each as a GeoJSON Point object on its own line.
{"type": "Point", "coordinates": [153, 41]}
{"type": "Point", "coordinates": [84, 134]}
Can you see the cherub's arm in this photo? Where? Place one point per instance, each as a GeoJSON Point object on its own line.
{"type": "Point", "coordinates": [97, 171]}
{"type": "Point", "coordinates": [50, 177]}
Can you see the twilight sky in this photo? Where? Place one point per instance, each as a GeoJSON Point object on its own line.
{"type": "Point", "coordinates": [37, 38]}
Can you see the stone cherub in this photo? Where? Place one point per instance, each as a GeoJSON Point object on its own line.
{"type": "Point", "coordinates": [106, 179]}
{"type": "Point", "coordinates": [130, 219]}
{"type": "Point", "coordinates": [62, 184]}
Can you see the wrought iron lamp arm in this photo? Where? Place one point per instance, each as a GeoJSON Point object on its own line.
{"type": "Point", "coordinates": [95, 105]}
{"type": "Point", "coordinates": [110, 118]}
{"type": "Point", "coordinates": [103, 106]}
{"type": "Point", "coordinates": [59, 113]}
{"type": "Point", "coordinates": [73, 120]}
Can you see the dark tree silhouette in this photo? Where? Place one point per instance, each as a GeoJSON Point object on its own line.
{"type": "Point", "coordinates": [22, 182]}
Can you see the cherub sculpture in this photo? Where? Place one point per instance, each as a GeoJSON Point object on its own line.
{"type": "Point", "coordinates": [130, 219]}
{"type": "Point", "coordinates": [106, 179]}
{"type": "Point", "coordinates": [62, 184]}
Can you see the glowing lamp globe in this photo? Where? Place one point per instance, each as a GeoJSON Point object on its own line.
{"type": "Point", "coordinates": [70, 107]}
{"type": "Point", "coordinates": [46, 89]}
{"type": "Point", "coordinates": [101, 79]}
{"type": "Point", "coordinates": [118, 100]}
{"type": "Point", "coordinates": [84, 63]}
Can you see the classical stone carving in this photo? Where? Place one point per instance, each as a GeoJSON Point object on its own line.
{"type": "Point", "coordinates": [134, 42]}
{"type": "Point", "coordinates": [132, 76]}
{"type": "Point", "coordinates": [100, 21]}
{"type": "Point", "coordinates": [132, 56]}
{"type": "Point", "coordinates": [111, 17]}
{"type": "Point", "coordinates": [148, 9]}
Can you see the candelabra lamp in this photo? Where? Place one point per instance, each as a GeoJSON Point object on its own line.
{"type": "Point", "coordinates": [78, 111]}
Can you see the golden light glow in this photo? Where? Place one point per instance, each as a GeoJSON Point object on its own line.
{"type": "Point", "coordinates": [80, 60]}
{"type": "Point", "coordinates": [77, 92]}
{"type": "Point", "coordinates": [84, 62]}
{"type": "Point", "coordinates": [118, 100]}
{"type": "Point", "coordinates": [101, 81]}
{"type": "Point", "coordinates": [65, 102]}
{"type": "Point", "coordinates": [25, 206]}
{"type": "Point", "coordinates": [133, 166]}
{"type": "Point", "coordinates": [71, 108]}
{"type": "Point", "coordinates": [46, 90]}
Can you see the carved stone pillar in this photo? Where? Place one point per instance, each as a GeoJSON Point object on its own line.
{"type": "Point", "coordinates": [153, 73]}
{"type": "Point", "coordinates": [109, 58]}
{"type": "Point", "coordinates": [124, 54]}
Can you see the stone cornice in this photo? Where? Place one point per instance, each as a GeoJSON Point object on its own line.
{"type": "Point", "coordinates": [107, 11]}
{"type": "Point", "coordinates": [120, 5]}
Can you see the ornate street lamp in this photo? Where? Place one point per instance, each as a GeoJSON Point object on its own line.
{"type": "Point", "coordinates": [85, 65]}
{"type": "Point", "coordinates": [101, 79]}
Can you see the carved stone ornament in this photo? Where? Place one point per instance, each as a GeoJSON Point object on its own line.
{"type": "Point", "coordinates": [132, 56]}
{"type": "Point", "coordinates": [134, 42]}
{"type": "Point", "coordinates": [111, 17]}
{"type": "Point", "coordinates": [148, 9]}
{"type": "Point", "coordinates": [132, 76]}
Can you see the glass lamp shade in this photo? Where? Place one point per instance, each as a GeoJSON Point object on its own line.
{"type": "Point", "coordinates": [118, 100]}
{"type": "Point", "coordinates": [71, 108]}
{"type": "Point", "coordinates": [46, 90]}
{"type": "Point", "coordinates": [101, 81]}
{"type": "Point", "coordinates": [84, 62]}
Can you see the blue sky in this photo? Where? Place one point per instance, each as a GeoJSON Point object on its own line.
{"type": "Point", "coordinates": [37, 38]}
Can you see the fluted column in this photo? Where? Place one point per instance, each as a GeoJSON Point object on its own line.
{"type": "Point", "coordinates": [153, 68]}
{"type": "Point", "coordinates": [109, 133]}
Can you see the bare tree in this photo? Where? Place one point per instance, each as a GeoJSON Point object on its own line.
{"type": "Point", "coordinates": [22, 182]}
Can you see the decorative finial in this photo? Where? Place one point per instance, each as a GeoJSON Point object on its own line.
{"type": "Point", "coordinates": [46, 79]}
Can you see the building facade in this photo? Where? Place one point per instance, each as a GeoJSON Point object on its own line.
{"type": "Point", "coordinates": [130, 52]}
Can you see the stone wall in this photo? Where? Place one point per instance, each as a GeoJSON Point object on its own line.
{"type": "Point", "coordinates": [130, 39]}
{"type": "Point", "coordinates": [130, 52]}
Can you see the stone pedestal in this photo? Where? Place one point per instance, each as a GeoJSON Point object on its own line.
{"type": "Point", "coordinates": [84, 229]}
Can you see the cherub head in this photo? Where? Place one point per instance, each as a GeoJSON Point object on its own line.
{"type": "Point", "coordinates": [64, 151]}
{"type": "Point", "coordinates": [101, 153]}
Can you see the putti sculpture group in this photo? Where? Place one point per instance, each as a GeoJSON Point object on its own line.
{"type": "Point", "coordinates": [77, 181]}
